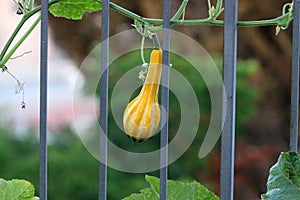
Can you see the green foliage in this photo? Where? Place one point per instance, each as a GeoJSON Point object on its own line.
{"type": "Point", "coordinates": [74, 9]}
{"type": "Point", "coordinates": [16, 190]}
{"type": "Point", "coordinates": [284, 178]}
{"type": "Point", "coordinates": [73, 172]}
{"type": "Point", "coordinates": [176, 191]}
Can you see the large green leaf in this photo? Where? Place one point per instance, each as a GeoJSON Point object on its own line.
{"type": "Point", "coordinates": [284, 179]}
{"type": "Point", "coordinates": [16, 190]}
{"type": "Point", "coordinates": [74, 9]}
{"type": "Point", "coordinates": [176, 191]}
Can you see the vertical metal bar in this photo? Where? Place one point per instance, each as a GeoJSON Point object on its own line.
{"type": "Point", "coordinates": [229, 78]}
{"type": "Point", "coordinates": [104, 100]}
{"type": "Point", "coordinates": [43, 100]}
{"type": "Point", "coordinates": [165, 101]}
{"type": "Point", "coordinates": [295, 79]}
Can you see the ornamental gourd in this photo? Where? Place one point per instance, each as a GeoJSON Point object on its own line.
{"type": "Point", "coordinates": [142, 115]}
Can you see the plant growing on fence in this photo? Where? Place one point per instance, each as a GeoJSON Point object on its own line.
{"type": "Point", "coordinates": [283, 183]}
{"type": "Point", "coordinates": [74, 9]}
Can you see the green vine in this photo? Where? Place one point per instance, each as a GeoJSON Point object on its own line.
{"type": "Point", "coordinates": [146, 26]}
{"type": "Point", "coordinates": [214, 12]}
{"type": "Point", "coordinates": [28, 11]}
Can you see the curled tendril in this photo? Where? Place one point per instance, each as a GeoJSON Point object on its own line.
{"type": "Point", "coordinates": [145, 65]}
{"type": "Point", "coordinates": [287, 9]}
{"type": "Point", "coordinates": [146, 31]}
{"type": "Point", "coordinates": [143, 72]}
{"type": "Point", "coordinates": [19, 56]}
{"type": "Point", "coordinates": [19, 88]}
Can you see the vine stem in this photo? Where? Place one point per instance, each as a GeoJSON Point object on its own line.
{"type": "Point", "coordinates": [126, 12]}
{"type": "Point", "coordinates": [16, 31]}
{"type": "Point", "coordinates": [155, 41]}
{"type": "Point", "coordinates": [31, 4]}
{"type": "Point", "coordinates": [281, 21]}
{"type": "Point", "coordinates": [208, 21]}
{"type": "Point", "coordinates": [219, 5]}
{"type": "Point", "coordinates": [180, 10]}
{"type": "Point", "coordinates": [11, 52]}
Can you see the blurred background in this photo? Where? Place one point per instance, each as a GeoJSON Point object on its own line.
{"type": "Point", "coordinates": [263, 102]}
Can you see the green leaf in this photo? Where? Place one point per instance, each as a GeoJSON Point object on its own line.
{"type": "Point", "coordinates": [16, 190]}
{"type": "Point", "coordinates": [74, 9]}
{"type": "Point", "coordinates": [284, 178]}
{"type": "Point", "coordinates": [176, 191]}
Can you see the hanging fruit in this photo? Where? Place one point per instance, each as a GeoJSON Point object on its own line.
{"type": "Point", "coordinates": [142, 115]}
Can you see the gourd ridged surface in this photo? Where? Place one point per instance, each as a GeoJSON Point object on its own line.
{"type": "Point", "coordinates": [142, 115]}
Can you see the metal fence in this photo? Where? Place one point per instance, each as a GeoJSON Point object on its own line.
{"type": "Point", "coordinates": [229, 78]}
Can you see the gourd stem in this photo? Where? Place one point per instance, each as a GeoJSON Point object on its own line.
{"type": "Point", "coordinates": [155, 41]}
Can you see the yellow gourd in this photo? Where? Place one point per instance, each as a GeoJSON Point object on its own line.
{"type": "Point", "coordinates": [142, 115]}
